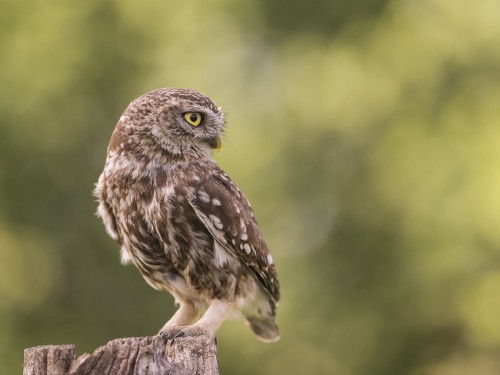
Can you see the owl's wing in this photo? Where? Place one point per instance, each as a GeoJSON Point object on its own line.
{"type": "Point", "coordinates": [227, 214]}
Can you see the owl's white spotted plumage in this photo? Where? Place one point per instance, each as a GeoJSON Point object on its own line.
{"type": "Point", "coordinates": [181, 220]}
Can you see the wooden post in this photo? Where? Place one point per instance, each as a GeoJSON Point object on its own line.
{"type": "Point", "coordinates": [136, 355]}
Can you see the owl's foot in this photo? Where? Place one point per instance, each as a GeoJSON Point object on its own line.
{"type": "Point", "coordinates": [174, 332]}
{"type": "Point", "coordinates": [206, 326]}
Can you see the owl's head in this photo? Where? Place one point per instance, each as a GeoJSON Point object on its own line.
{"type": "Point", "coordinates": [181, 122]}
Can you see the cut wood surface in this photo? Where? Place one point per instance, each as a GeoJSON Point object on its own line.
{"type": "Point", "coordinates": [135, 355]}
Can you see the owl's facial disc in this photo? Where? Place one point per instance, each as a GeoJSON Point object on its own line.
{"type": "Point", "coordinates": [203, 125]}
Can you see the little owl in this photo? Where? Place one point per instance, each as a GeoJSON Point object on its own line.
{"type": "Point", "coordinates": [181, 220]}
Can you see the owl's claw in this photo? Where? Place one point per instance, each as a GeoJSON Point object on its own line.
{"type": "Point", "coordinates": [172, 333]}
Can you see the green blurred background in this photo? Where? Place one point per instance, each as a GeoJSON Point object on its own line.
{"type": "Point", "coordinates": [365, 133]}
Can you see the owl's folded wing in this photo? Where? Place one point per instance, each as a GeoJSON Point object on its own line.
{"type": "Point", "coordinates": [227, 214]}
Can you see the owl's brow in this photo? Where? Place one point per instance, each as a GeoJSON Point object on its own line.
{"type": "Point", "coordinates": [197, 99]}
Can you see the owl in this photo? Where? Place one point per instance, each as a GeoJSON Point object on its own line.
{"type": "Point", "coordinates": [181, 220]}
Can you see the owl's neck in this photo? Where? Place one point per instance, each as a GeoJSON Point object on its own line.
{"type": "Point", "coordinates": [138, 167]}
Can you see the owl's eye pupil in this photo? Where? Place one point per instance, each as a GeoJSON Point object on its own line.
{"type": "Point", "coordinates": [193, 117]}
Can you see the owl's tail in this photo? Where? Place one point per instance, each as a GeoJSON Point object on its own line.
{"type": "Point", "coordinates": [266, 329]}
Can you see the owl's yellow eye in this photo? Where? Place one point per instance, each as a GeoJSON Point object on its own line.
{"type": "Point", "coordinates": [193, 118]}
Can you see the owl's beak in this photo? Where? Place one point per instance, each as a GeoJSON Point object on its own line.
{"type": "Point", "coordinates": [215, 142]}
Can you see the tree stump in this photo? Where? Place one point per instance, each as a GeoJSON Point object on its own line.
{"type": "Point", "coordinates": [135, 355]}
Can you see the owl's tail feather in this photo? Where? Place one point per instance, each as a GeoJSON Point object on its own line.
{"type": "Point", "coordinates": [266, 329]}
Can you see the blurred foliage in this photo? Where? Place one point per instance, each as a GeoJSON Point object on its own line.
{"type": "Point", "coordinates": [366, 135]}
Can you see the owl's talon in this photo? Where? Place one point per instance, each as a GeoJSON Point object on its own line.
{"type": "Point", "coordinates": [180, 334]}
{"type": "Point", "coordinates": [172, 333]}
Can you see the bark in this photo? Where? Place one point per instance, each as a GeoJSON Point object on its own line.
{"type": "Point", "coordinates": [136, 355]}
